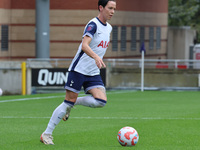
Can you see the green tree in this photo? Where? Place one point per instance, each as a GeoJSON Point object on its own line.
{"type": "Point", "coordinates": [185, 13]}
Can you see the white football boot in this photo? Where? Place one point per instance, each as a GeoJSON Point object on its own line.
{"type": "Point", "coordinates": [46, 139]}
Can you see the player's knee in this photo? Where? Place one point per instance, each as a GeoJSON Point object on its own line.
{"type": "Point", "coordinates": [101, 102]}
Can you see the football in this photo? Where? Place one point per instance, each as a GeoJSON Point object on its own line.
{"type": "Point", "coordinates": [1, 92]}
{"type": "Point", "coordinates": [128, 136]}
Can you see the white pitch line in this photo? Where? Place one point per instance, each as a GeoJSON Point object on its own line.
{"type": "Point", "coordinates": [37, 98]}
{"type": "Point", "coordinates": [34, 98]}
{"type": "Point", "coordinates": [27, 99]}
{"type": "Point", "coordinates": [135, 118]}
{"type": "Point", "coordinates": [102, 118]}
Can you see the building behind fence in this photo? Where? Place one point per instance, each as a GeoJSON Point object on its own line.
{"type": "Point", "coordinates": [135, 22]}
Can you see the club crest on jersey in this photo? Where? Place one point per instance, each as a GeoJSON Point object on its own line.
{"type": "Point", "coordinates": [103, 44]}
{"type": "Point", "coordinates": [90, 27]}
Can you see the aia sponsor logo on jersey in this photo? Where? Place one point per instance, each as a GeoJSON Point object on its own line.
{"type": "Point", "coordinates": [103, 44]}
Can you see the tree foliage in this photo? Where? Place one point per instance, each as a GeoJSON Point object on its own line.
{"type": "Point", "coordinates": [185, 13]}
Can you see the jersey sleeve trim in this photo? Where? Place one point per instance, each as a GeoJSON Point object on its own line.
{"type": "Point", "coordinates": [88, 34]}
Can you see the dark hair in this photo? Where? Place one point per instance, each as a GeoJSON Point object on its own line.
{"type": "Point", "coordinates": [104, 2]}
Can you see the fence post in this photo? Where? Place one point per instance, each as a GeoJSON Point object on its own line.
{"type": "Point", "coordinates": [23, 67]}
{"type": "Point", "coordinates": [191, 56]}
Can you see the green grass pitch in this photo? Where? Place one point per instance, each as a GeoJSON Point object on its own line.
{"type": "Point", "coordinates": [165, 120]}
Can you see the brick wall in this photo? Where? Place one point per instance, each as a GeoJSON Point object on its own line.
{"type": "Point", "coordinates": [67, 21]}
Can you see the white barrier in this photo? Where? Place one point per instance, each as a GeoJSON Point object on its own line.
{"type": "Point", "coordinates": [10, 73]}
{"type": "Point", "coordinates": [134, 63]}
{"type": "Point", "coordinates": [199, 80]}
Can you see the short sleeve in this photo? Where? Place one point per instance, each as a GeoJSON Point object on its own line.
{"type": "Point", "coordinates": [90, 29]}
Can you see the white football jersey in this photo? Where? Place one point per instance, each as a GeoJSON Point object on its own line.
{"type": "Point", "coordinates": [100, 34]}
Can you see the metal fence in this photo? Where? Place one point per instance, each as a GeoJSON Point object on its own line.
{"type": "Point", "coordinates": [132, 63]}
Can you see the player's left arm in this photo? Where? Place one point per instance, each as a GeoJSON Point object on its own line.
{"type": "Point", "coordinates": [86, 48]}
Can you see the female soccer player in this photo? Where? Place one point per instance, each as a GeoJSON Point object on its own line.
{"type": "Point", "coordinates": [85, 69]}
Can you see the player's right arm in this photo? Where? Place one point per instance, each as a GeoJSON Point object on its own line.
{"type": "Point", "coordinates": [86, 48]}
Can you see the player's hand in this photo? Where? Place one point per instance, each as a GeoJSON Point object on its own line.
{"type": "Point", "coordinates": [99, 62]}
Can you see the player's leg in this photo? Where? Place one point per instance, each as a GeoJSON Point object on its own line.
{"type": "Point", "coordinates": [99, 92]}
{"type": "Point", "coordinates": [71, 96]}
{"type": "Point", "coordinates": [63, 108]}
{"type": "Point", "coordinates": [94, 86]}
{"type": "Point", "coordinates": [73, 86]}
{"type": "Point", "coordinates": [97, 99]}
{"type": "Point", "coordinates": [58, 114]}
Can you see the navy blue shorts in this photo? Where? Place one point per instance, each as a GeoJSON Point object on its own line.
{"type": "Point", "coordinates": [75, 81]}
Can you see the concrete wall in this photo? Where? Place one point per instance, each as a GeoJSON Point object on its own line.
{"type": "Point", "coordinates": [10, 79]}
{"type": "Point", "coordinates": [179, 41]}
{"type": "Point", "coordinates": [159, 78]}
{"type": "Point", "coordinates": [11, 76]}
